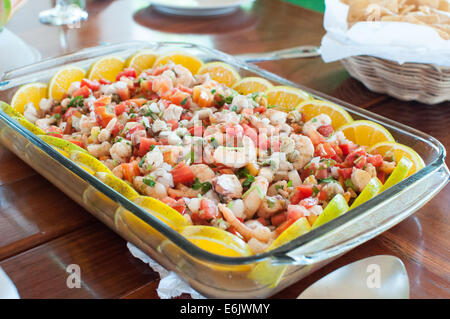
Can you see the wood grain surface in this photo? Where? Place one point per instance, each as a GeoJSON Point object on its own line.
{"type": "Point", "coordinates": [42, 230]}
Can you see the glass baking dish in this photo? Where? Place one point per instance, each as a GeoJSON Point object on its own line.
{"type": "Point", "coordinates": [210, 274]}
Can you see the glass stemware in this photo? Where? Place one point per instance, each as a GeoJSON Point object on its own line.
{"type": "Point", "coordinates": [65, 12]}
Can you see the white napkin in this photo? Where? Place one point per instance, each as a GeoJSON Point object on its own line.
{"type": "Point", "coordinates": [397, 41]}
{"type": "Point", "coordinates": [14, 52]}
{"type": "Point", "coordinates": [7, 288]}
{"type": "Point", "coordinates": [170, 285]}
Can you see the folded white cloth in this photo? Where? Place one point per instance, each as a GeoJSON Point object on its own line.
{"type": "Point", "coordinates": [170, 285]}
{"type": "Point", "coordinates": [7, 288]}
{"type": "Point", "coordinates": [397, 41]}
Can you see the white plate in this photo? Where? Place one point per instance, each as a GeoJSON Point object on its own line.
{"type": "Point", "coordinates": [197, 7]}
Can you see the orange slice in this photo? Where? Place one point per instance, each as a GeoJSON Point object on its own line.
{"type": "Point", "coordinates": [285, 98]}
{"type": "Point", "coordinates": [312, 108]}
{"type": "Point", "coordinates": [366, 133]}
{"type": "Point", "coordinates": [251, 85]}
{"type": "Point", "coordinates": [61, 81]}
{"type": "Point", "coordinates": [220, 72]}
{"type": "Point", "coordinates": [189, 61]}
{"type": "Point", "coordinates": [141, 61]}
{"type": "Point", "coordinates": [106, 68]}
{"type": "Point", "coordinates": [29, 93]}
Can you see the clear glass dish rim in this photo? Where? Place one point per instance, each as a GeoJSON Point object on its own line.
{"type": "Point", "coordinates": [8, 80]}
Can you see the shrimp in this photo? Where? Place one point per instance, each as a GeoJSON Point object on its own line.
{"type": "Point", "coordinates": [45, 122]}
{"type": "Point", "coordinates": [241, 102]}
{"type": "Point", "coordinates": [236, 157]}
{"type": "Point", "coordinates": [254, 196]}
{"type": "Point", "coordinates": [271, 205]}
{"type": "Point", "coordinates": [276, 117]}
{"type": "Point", "coordinates": [45, 105]}
{"type": "Point", "coordinates": [304, 151]}
{"type": "Point", "coordinates": [228, 186]}
{"type": "Point", "coordinates": [99, 150]}
{"type": "Point", "coordinates": [152, 160]}
{"type": "Point", "coordinates": [183, 76]}
{"type": "Point", "coordinates": [203, 172]}
{"type": "Point", "coordinates": [162, 84]}
{"type": "Point", "coordinates": [120, 151]}
{"type": "Point", "coordinates": [360, 178]}
{"type": "Point", "coordinates": [158, 191]}
{"type": "Point", "coordinates": [162, 176]}
{"type": "Point", "coordinates": [173, 112]}
{"type": "Point", "coordinates": [86, 124]}
{"type": "Point", "coordinates": [267, 173]}
{"type": "Point", "coordinates": [279, 188]}
{"type": "Point", "coordinates": [316, 122]}
{"type": "Point", "coordinates": [183, 191]}
{"type": "Point", "coordinates": [257, 246]}
{"type": "Point", "coordinates": [259, 232]}
{"type": "Point", "coordinates": [332, 189]}
{"type": "Point", "coordinates": [238, 208]}
{"type": "Point", "coordinates": [30, 112]}
{"type": "Point", "coordinates": [105, 133]}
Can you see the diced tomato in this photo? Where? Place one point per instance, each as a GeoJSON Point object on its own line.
{"type": "Point", "coordinates": [346, 173]}
{"type": "Point", "coordinates": [348, 148]}
{"type": "Point", "coordinates": [54, 131]}
{"type": "Point", "coordinates": [94, 85]}
{"type": "Point", "coordinates": [103, 117]}
{"type": "Point", "coordinates": [322, 195]}
{"type": "Point", "coordinates": [262, 220]}
{"type": "Point", "coordinates": [208, 209]}
{"type": "Point", "coordinates": [124, 93]}
{"type": "Point", "coordinates": [260, 109]}
{"type": "Point", "coordinates": [196, 130]}
{"type": "Point", "coordinates": [316, 138]}
{"type": "Point", "coordinates": [309, 202]}
{"type": "Point", "coordinates": [57, 110]}
{"type": "Point", "coordinates": [321, 172]}
{"type": "Point", "coordinates": [82, 91]}
{"type": "Point", "coordinates": [104, 81]}
{"type": "Point", "coordinates": [375, 160]}
{"type": "Point", "coordinates": [278, 219]}
{"type": "Point", "coordinates": [128, 72]}
{"type": "Point", "coordinates": [186, 116]}
{"type": "Point", "coordinates": [116, 129]}
{"type": "Point", "coordinates": [325, 150]}
{"type": "Point", "coordinates": [178, 205]}
{"type": "Point", "coordinates": [145, 145]}
{"type": "Point", "coordinates": [303, 191]}
{"type": "Point", "coordinates": [121, 108]}
{"type": "Point", "coordinates": [173, 123]}
{"type": "Point", "coordinates": [294, 212]}
{"type": "Point", "coordinates": [356, 158]}
{"type": "Point", "coordinates": [325, 130]}
{"type": "Point", "coordinates": [182, 174]}
{"type": "Point", "coordinates": [130, 170]}
{"type": "Point", "coordinates": [339, 154]}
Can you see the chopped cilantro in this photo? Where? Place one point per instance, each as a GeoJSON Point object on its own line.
{"type": "Point", "coordinates": [213, 91]}
{"type": "Point", "coordinates": [289, 184]}
{"type": "Point", "coordinates": [242, 172]}
{"type": "Point", "coordinates": [234, 108]}
{"type": "Point", "coordinates": [327, 180]}
{"type": "Point", "coordinates": [141, 162]}
{"type": "Point", "coordinates": [152, 147]}
{"type": "Point", "coordinates": [184, 101]}
{"type": "Point", "coordinates": [77, 101]}
{"type": "Point", "coordinates": [248, 181]}
{"type": "Point", "coordinates": [316, 190]}
{"type": "Point", "coordinates": [149, 181]}
{"type": "Point", "coordinates": [204, 187]}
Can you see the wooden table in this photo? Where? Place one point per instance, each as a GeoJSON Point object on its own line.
{"type": "Point", "coordinates": [42, 230]}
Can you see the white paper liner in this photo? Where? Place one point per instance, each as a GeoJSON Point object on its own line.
{"type": "Point", "coordinates": [170, 285]}
{"type": "Point", "coordinates": [397, 41]}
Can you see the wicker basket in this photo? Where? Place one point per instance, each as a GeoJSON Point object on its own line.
{"type": "Point", "coordinates": [425, 83]}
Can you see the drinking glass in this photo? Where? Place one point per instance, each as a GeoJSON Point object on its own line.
{"type": "Point", "coordinates": [65, 12]}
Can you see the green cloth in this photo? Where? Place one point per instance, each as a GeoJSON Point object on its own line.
{"type": "Point", "coordinates": [316, 5]}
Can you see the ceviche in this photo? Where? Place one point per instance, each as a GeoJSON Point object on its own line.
{"type": "Point", "coordinates": [219, 150]}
